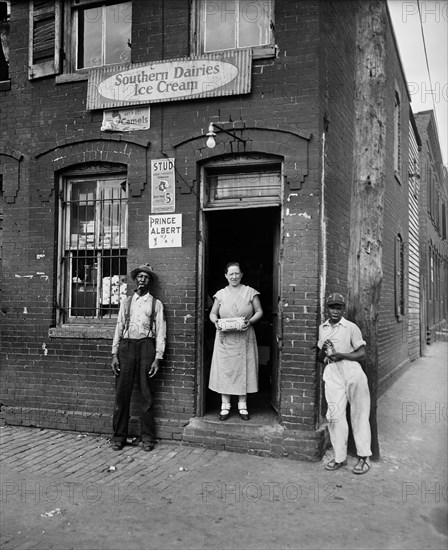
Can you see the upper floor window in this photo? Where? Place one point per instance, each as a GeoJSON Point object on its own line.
{"type": "Point", "coordinates": [397, 135]}
{"type": "Point", "coordinates": [93, 247]}
{"type": "Point", "coordinates": [5, 11]}
{"type": "Point", "coordinates": [94, 34]}
{"type": "Point", "coordinates": [234, 24]}
{"type": "Point", "coordinates": [101, 34]}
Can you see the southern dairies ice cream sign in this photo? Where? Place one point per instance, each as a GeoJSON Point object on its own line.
{"type": "Point", "coordinates": [173, 80]}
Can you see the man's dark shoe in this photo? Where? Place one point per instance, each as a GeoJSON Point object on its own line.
{"type": "Point", "coordinates": [148, 447]}
{"type": "Point", "coordinates": [117, 446]}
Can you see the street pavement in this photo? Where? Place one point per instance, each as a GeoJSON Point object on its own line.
{"type": "Point", "coordinates": [65, 490]}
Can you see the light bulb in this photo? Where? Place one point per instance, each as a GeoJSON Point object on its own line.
{"type": "Point", "coordinates": [210, 142]}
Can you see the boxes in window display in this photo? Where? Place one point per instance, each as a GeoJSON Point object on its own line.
{"type": "Point", "coordinates": [114, 289]}
{"type": "Point", "coordinates": [82, 241]}
{"type": "Point", "coordinates": [113, 237]}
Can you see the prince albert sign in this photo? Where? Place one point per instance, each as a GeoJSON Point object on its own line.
{"type": "Point", "coordinates": [173, 80]}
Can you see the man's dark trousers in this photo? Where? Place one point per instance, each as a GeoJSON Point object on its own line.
{"type": "Point", "coordinates": [136, 358]}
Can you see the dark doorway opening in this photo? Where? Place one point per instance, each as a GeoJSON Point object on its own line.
{"type": "Point", "coordinates": [250, 237]}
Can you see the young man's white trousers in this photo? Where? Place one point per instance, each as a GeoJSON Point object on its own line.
{"type": "Point", "coordinates": [345, 381]}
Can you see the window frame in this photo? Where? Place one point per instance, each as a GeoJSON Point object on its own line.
{"type": "Point", "coordinates": [64, 301]}
{"type": "Point", "coordinates": [401, 267]}
{"type": "Point", "coordinates": [240, 165]}
{"type": "Point", "coordinates": [71, 38]}
{"type": "Point", "coordinates": [398, 161]}
{"type": "Point", "coordinates": [197, 35]}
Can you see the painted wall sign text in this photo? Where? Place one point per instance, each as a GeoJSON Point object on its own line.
{"type": "Point", "coordinates": [183, 78]}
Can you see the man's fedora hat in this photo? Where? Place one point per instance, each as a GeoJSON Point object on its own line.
{"type": "Point", "coordinates": [145, 268]}
{"type": "Point", "coordinates": [335, 299]}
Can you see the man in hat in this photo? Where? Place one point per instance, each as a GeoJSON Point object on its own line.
{"type": "Point", "coordinates": [138, 347]}
{"type": "Point", "coordinates": [341, 347]}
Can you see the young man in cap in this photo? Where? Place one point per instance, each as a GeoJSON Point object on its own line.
{"type": "Point", "coordinates": [138, 347]}
{"type": "Point", "coordinates": [341, 346]}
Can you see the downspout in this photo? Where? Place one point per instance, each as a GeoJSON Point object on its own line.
{"type": "Point", "coordinates": [323, 232]}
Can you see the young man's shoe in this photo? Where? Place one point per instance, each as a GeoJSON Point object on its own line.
{"type": "Point", "coordinates": [362, 466]}
{"type": "Point", "coordinates": [333, 465]}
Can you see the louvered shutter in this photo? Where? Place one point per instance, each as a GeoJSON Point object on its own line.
{"type": "Point", "coordinates": [44, 38]}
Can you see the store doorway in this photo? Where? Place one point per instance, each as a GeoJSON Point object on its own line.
{"type": "Point", "coordinates": [249, 236]}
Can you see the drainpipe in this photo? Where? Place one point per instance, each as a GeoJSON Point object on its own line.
{"type": "Point", "coordinates": [323, 232]}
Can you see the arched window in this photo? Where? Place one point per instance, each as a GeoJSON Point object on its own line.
{"type": "Point", "coordinates": [92, 243]}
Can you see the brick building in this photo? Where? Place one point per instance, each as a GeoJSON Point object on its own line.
{"type": "Point", "coordinates": [433, 230]}
{"type": "Point", "coordinates": [105, 164]}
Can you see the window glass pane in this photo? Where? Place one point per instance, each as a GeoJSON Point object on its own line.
{"type": "Point", "coordinates": [90, 38]}
{"type": "Point", "coordinates": [104, 35]}
{"type": "Point", "coordinates": [230, 24]}
{"type": "Point", "coordinates": [250, 186]}
{"type": "Point", "coordinates": [113, 215]}
{"type": "Point", "coordinates": [82, 214]}
{"type": "Point", "coordinates": [118, 33]}
{"type": "Point", "coordinates": [254, 23]}
{"type": "Point", "coordinates": [220, 25]}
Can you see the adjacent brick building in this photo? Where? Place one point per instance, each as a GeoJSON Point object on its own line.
{"type": "Point", "coordinates": [87, 197]}
{"type": "Point", "coordinates": [433, 230]}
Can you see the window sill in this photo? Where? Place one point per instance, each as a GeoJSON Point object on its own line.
{"type": "Point", "coordinates": [92, 332]}
{"type": "Point", "coordinates": [258, 52]}
{"type": "Point", "coordinates": [264, 52]}
{"type": "Point", "coordinates": [71, 77]}
{"type": "Point", "coordinates": [5, 85]}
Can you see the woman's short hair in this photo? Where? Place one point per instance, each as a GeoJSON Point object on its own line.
{"type": "Point", "coordinates": [237, 264]}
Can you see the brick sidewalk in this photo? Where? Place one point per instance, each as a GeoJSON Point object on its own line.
{"type": "Point", "coordinates": [197, 498]}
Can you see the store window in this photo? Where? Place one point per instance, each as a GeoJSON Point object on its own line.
{"type": "Point", "coordinates": [234, 24]}
{"type": "Point", "coordinates": [101, 34]}
{"type": "Point", "coordinates": [94, 240]}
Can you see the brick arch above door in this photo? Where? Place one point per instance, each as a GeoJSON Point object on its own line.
{"type": "Point", "coordinates": [290, 144]}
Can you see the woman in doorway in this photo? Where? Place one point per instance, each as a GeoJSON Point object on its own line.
{"type": "Point", "coordinates": [234, 369]}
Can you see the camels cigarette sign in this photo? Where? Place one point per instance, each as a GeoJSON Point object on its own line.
{"type": "Point", "coordinates": [178, 79]}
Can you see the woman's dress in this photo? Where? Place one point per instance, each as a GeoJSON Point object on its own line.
{"type": "Point", "coordinates": [234, 367]}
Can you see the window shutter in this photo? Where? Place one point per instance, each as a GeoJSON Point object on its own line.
{"type": "Point", "coordinates": [44, 38]}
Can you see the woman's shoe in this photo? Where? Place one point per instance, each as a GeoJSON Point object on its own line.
{"type": "Point", "coordinates": [225, 411]}
{"type": "Point", "coordinates": [242, 410]}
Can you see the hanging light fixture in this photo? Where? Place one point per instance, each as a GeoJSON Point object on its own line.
{"type": "Point", "coordinates": [210, 137]}
{"type": "Point", "coordinates": [211, 143]}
